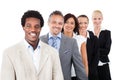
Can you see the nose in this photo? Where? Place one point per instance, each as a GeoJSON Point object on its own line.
{"type": "Point", "coordinates": [83, 25]}
{"type": "Point", "coordinates": [57, 25]}
{"type": "Point", "coordinates": [32, 28]}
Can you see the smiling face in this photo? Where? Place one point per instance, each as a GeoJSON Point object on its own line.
{"type": "Point", "coordinates": [69, 25]}
{"type": "Point", "coordinates": [97, 19]}
{"type": "Point", "coordinates": [83, 23]}
{"type": "Point", "coordinates": [55, 23]}
{"type": "Point", "coordinates": [32, 30]}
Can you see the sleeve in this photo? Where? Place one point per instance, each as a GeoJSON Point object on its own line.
{"type": "Point", "coordinates": [106, 49]}
{"type": "Point", "coordinates": [93, 53]}
{"type": "Point", "coordinates": [57, 71]}
{"type": "Point", "coordinates": [77, 62]}
{"type": "Point", "coordinates": [7, 69]}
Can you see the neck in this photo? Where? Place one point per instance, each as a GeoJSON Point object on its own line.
{"type": "Point", "coordinates": [97, 31]}
{"type": "Point", "coordinates": [83, 33]}
{"type": "Point", "coordinates": [53, 34]}
{"type": "Point", "coordinates": [68, 34]}
{"type": "Point", "coordinates": [33, 43]}
{"type": "Point", "coordinates": [97, 28]}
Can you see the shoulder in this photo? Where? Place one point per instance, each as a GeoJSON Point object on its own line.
{"type": "Point", "coordinates": [106, 31]}
{"type": "Point", "coordinates": [43, 36]}
{"type": "Point", "coordinates": [47, 48]}
{"type": "Point", "coordinates": [13, 49]}
{"type": "Point", "coordinates": [67, 38]}
{"type": "Point", "coordinates": [80, 39]}
{"type": "Point", "coordinates": [15, 46]}
{"type": "Point", "coordinates": [50, 51]}
{"type": "Point", "coordinates": [90, 32]}
{"type": "Point", "coordinates": [43, 44]}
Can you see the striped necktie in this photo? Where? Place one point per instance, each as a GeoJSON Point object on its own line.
{"type": "Point", "coordinates": [54, 42]}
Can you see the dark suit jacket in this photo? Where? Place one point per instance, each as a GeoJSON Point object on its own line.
{"type": "Point", "coordinates": [93, 55]}
{"type": "Point", "coordinates": [98, 49]}
{"type": "Point", "coordinates": [105, 45]}
{"type": "Point", "coordinates": [69, 54]}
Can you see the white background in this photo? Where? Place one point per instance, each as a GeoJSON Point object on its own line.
{"type": "Point", "coordinates": [11, 30]}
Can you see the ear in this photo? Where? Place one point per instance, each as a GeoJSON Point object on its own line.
{"type": "Point", "coordinates": [23, 27]}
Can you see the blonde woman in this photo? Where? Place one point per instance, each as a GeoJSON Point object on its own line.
{"type": "Point", "coordinates": [105, 41]}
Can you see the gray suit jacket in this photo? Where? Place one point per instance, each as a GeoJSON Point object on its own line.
{"type": "Point", "coordinates": [17, 64]}
{"type": "Point", "coordinates": [69, 54]}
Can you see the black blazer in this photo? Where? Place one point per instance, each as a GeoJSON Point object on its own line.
{"type": "Point", "coordinates": [93, 55]}
{"type": "Point", "coordinates": [105, 45]}
{"type": "Point", "coordinates": [97, 49]}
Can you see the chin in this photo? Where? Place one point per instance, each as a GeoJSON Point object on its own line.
{"type": "Point", "coordinates": [33, 40]}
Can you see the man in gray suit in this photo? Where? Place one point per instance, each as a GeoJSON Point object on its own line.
{"type": "Point", "coordinates": [67, 47]}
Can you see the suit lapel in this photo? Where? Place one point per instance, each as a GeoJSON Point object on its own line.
{"type": "Point", "coordinates": [26, 58]}
{"type": "Point", "coordinates": [62, 44]}
{"type": "Point", "coordinates": [43, 56]}
{"type": "Point", "coordinates": [45, 38]}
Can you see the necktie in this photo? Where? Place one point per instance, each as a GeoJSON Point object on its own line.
{"type": "Point", "coordinates": [54, 43]}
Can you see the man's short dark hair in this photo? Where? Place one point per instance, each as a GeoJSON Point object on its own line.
{"type": "Point", "coordinates": [34, 14]}
{"type": "Point", "coordinates": [56, 12]}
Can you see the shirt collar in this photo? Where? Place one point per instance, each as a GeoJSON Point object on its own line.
{"type": "Point", "coordinates": [88, 36]}
{"type": "Point", "coordinates": [58, 36]}
{"type": "Point", "coordinates": [28, 45]}
{"type": "Point", "coordinates": [92, 29]}
{"type": "Point", "coordinates": [74, 35]}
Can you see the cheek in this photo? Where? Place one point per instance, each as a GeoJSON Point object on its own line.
{"type": "Point", "coordinates": [61, 27]}
{"type": "Point", "coordinates": [65, 26]}
{"type": "Point", "coordinates": [100, 21]}
{"type": "Point", "coordinates": [38, 31]}
{"type": "Point", "coordinates": [86, 25]}
{"type": "Point", "coordinates": [81, 26]}
{"type": "Point", "coordinates": [73, 26]}
{"type": "Point", "coordinates": [26, 31]}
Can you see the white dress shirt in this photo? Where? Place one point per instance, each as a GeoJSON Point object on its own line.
{"type": "Point", "coordinates": [80, 39]}
{"type": "Point", "coordinates": [34, 53]}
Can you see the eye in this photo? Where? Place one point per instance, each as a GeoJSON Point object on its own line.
{"type": "Point", "coordinates": [80, 23]}
{"type": "Point", "coordinates": [37, 26]}
{"type": "Point", "coordinates": [72, 23]}
{"type": "Point", "coordinates": [85, 23]}
{"type": "Point", "coordinates": [53, 22]}
{"type": "Point", "coordinates": [27, 25]}
{"type": "Point", "coordinates": [60, 23]}
{"type": "Point", "coordinates": [99, 18]}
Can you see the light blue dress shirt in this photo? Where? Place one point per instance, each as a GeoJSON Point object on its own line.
{"type": "Point", "coordinates": [50, 40]}
{"type": "Point", "coordinates": [35, 54]}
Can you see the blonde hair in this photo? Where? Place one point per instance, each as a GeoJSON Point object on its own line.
{"type": "Point", "coordinates": [97, 11]}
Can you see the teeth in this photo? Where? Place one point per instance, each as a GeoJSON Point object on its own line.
{"type": "Point", "coordinates": [32, 34]}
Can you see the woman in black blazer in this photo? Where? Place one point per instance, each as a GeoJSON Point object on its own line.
{"type": "Point", "coordinates": [104, 37]}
